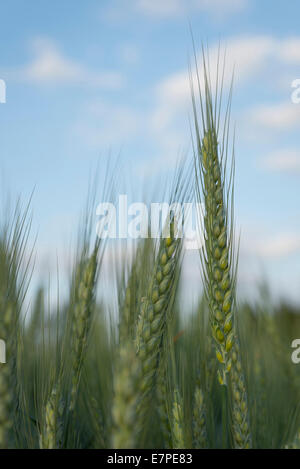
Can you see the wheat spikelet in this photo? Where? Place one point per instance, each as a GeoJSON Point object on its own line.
{"type": "Point", "coordinates": [51, 436]}
{"type": "Point", "coordinates": [129, 306]}
{"type": "Point", "coordinates": [218, 273]}
{"type": "Point", "coordinates": [81, 320]}
{"type": "Point", "coordinates": [51, 433]}
{"type": "Point", "coordinates": [126, 396]}
{"type": "Point", "coordinates": [217, 253]}
{"type": "Point", "coordinates": [199, 419]}
{"type": "Point", "coordinates": [9, 332]}
{"type": "Point", "coordinates": [98, 424]}
{"type": "Point", "coordinates": [240, 418]}
{"type": "Point", "coordinates": [125, 324]}
{"type": "Point", "coordinates": [177, 422]}
{"type": "Point", "coordinates": [152, 320]}
{"type": "Point", "coordinates": [135, 288]}
{"type": "Point", "coordinates": [8, 394]}
{"type": "Point", "coordinates": [162, 401]}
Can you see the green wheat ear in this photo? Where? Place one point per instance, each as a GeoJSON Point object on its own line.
{"type": "Point", "coordinates": [177, 422]}
{"type": "Point", "coordinates": [8, 388]}
{"type": "Point", "coordinates": [152, 322]}
{"type": "Point", "coordinates": [129, 306]}
{"type": "Point", "coordinates": [13, 284]}
{"type": "Point", "coordinates": [219, 277]}
{"type": "Point", "coordinates": [240, 415]}
{"type": "Point", "coordinates": [217, 255]}
{"type": "Point", "coordinates": [126, 398]}
{"type": "Point", "coordinates": [162, 402]}
{"type": "Point", "coordinates": [52, 427]}
{"type": "Point", "coordinates": [128, 310]}
{"type": "Point", "coordinates": [199, 419]}
{"type": "Point", "coordinates": [82, 318]}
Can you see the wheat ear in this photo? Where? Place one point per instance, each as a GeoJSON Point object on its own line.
{"type": "Point", "coordinates": [98, 424]}
{"type": "Point", "coordinates": [8, 393]}
{"type": "Point", "coordinates": [126, 396]}
{"type": "Point", "coordinates": [12, 284]}
{"type": "Point", "coordinates": [152, 320]}
{"type": "Point", "coordinates": [199, 419]}
{"type": "Point", "coordinates": [218, 275]}
{"type": "Point", "coordinates": [240, 415]}
{"type": "Point", "coordinates": [81, 320]}
{"type": "Point", "coordinates": [177, 422]}
{"type": "Point", "coordinates": [219, 269]}
{"type": "Point", "coordinates": [162, 401]}
{"type": "Point", "coordinates": [51, 433]}
{"type": "Point", "coordinates": [129, 306]}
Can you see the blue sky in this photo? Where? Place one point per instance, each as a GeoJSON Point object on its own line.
{"type": "Point", "coordinates": [89, 79]}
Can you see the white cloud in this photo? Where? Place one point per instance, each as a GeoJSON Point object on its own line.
{"type": "Point", "coordinates": [280, 245]}
{"type": "Point", "coordinates": [49, 66]}
{"type": "Point", "coordinates": [289, 50]}
{"type": "Point", "coordinates": [160, 8]}
{"type": "Point", "coordinates": [105, 124]}
{"type": "Point", "coordinates": [172, 105]}
{"type": "Point", "coordinates": [129, 53]}
{"type": "Point", "coordinates": [224, 5]}
{"type": "Point", "coordinates": [247, 56]}
{"type": "Point", "coordinates": [170, 8]}
{"type": "Point", "coordinates": [283, 161]}
{"type": "Point", "coordinates": [260, 240]}
{"type": "Point", "coordinates": [165, 124]}
{"type": "Point", "coordinates": [167, 121]}
{"type": "Point", "coordinates": [282, 116]}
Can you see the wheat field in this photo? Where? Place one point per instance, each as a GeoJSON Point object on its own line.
{"type": "Point", "coordinates": [152, 377]}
